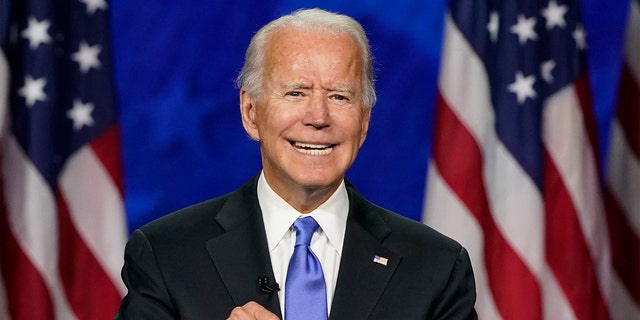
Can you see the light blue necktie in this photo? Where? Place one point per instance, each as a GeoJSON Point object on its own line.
{"type": "Point", "coordinates": [306, 294]}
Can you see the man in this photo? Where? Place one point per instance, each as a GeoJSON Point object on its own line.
{"type": "Point", "coordinates": [306, 96]}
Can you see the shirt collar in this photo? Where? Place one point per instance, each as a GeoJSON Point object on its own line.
{"type": "Point", "coordinates": [278, 215]}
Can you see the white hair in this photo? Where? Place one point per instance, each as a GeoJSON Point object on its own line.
{"type": "Point", "coordinates": [252, 73]}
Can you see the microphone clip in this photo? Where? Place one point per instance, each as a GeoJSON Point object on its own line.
{"type": "Point", "coordinates": [265, 287]}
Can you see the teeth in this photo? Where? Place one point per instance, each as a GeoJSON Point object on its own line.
{"type": "Point", "coordinates": [316, 152]}
{"type": "Point", "coordinates": [313, 149]}
{"type": "Point", "coordinates": [311, 146]}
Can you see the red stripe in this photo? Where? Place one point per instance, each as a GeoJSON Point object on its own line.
{"type": "Point", "coordinates": [27, 294]}
{"type": "Point", "coordinates": [629, 109]}
{"type": "Point", "coordinates": [107, 148]}
{"type": "Point", "coordinates": [459, 160]}
{"type": "Point", "coordinates": [89, 290]}
{"type": "Point", "coordinates": [566, 249]}
{"type": "Point", "coordinates": [625, 247]}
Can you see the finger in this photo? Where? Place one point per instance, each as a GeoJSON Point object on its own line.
{"type": "Point", "coordinates": [239, 313]}
{"type": "Point", "coordinates": [252, 311]}
{"type": "Point", "coordinates": [260, 312]}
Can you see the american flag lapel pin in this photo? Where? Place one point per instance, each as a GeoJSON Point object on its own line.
{"type": "Point", "coordinates": [381, 260]}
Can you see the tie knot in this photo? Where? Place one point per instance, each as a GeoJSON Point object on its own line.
{"type": "Point", "coordinates": [305, 227]}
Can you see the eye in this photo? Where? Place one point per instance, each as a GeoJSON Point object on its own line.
{"type": "Point", "coordinates": [294, 94]}
{"type": "Point", "coordinates": [340, 99]}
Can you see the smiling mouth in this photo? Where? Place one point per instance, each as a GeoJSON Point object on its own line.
{"type": "Point", "coordinates": [313, 149]}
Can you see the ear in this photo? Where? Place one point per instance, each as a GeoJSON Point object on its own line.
{"type": "Point", "coordinates": [248, 112]}
{"type": "Point", "coordinates": [366, 116]}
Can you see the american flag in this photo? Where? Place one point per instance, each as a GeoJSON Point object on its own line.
{"type": "Point", "coordinates": [623, 181]}
{"type": "Point", "coordinates": [62, 221]}
{"type": "Point", "coordinates": [514, 174]}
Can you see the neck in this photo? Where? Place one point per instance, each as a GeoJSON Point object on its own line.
{"type": "Point", "coordinates": [304, 199]}
{"type": "Point", "coordinates": [308, 200]}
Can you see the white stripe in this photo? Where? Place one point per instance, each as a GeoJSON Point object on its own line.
{"type": "Point", "coordinates": [97, 211]}
{"type": "Point", "coordinates": [632, 41]}
{"type": "Point", "coordinates": [444, 212]}
{"type": "Point", "coordinates": [4, 94]}
{"type": "Point", "coordinates": [32, 215]}
{"type": "Point", "coordinates": [464, 83]}
{"type": "Point", "coordinates": [4, 107]}
{"type": "Point", "coordinates": [624, 176]}
{"type": "Point", "coordinates": [518, 211]}
{"type": "Point", "coordinates": [623, 166]}
{"type": "Point", "coordinates": [566, 139]}
{"type": "Point", "coordinates": [623, 306]}
{"type": "Point", "coordinates": [514, 200]}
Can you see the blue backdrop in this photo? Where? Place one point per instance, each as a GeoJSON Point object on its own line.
{"type": "Point", "coordinates": [175, 65]}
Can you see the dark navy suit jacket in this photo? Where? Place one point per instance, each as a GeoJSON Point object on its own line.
{"type": "Point", "coordinates": [204, 260]}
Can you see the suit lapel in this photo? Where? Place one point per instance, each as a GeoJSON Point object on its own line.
{"type": "Point", "coordinates": [361, 280]}
{"type": "Point", "coordinates": [241, 253]}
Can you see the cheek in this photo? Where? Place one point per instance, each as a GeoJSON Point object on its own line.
{"type": "Point", "coordinates": [357, 125]}
{"type": "Point", "coordinates": [275, 121]}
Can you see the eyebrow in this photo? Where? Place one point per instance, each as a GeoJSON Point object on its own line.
{"type": "Point", "coordinates": [300, 85]}
{"type": "Point", "coordinates": [342, 89]}
{"type": "Point", "coordinates": [295, 85]}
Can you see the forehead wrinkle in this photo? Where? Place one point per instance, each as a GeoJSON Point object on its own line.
{"type": "Point", "coordinates": [279, 44]}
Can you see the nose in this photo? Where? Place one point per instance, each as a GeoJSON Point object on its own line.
{"type": "Point", "coordinates": [317, 112]}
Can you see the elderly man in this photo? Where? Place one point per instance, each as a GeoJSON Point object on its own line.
{"type": "Point", "coordinates": [306, 93]}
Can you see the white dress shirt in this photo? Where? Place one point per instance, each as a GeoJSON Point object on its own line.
{"type": "Point", "coordinates": [326, 242]}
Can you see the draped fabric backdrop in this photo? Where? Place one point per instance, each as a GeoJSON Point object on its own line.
{"type": "Point", "coordinates": [173, 66]}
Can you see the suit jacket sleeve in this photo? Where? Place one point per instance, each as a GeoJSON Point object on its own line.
{"type": "Point", "coordinates": [147, 297]}
{"type": "Point", "coordinates": [459, 296]}
{"type": "Point", "coordinates": [198, 262]}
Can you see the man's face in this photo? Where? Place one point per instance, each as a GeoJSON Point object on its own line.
{"type": "Point", "coordinates": [309, 119]}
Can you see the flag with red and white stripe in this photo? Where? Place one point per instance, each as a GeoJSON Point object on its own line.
{"type": "Point", "coordinates": [514, 173]}
{"type": "Point", "coordinates": [622, 196]}
{"type": "Point", "coordinates": [62, 221]}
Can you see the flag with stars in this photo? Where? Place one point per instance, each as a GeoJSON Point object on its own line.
{"type": "Point", "coordinates": [62, 221]}
{"type": "Point", "coordinates": [514, 173]}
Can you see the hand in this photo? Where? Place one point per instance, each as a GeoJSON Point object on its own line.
{"type": "Point", "coordinates": [251, 311]}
